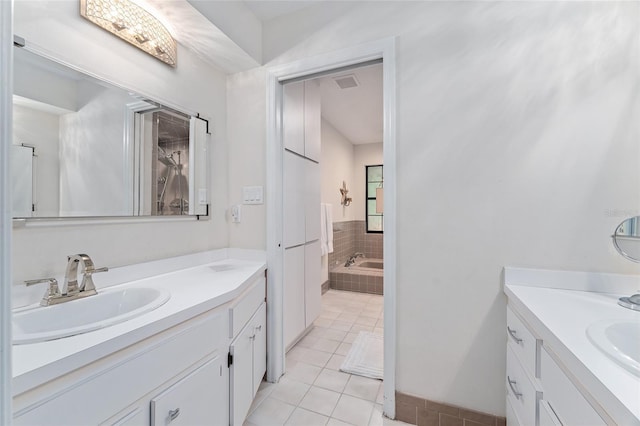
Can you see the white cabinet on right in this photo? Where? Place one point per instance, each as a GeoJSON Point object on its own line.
{"type": "Point", "coordinates": [539, 392]}
{"type": "Point", "coordinates": [567, 405]}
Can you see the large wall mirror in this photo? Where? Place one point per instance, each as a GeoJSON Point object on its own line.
{"type": "Point", "coordinates": [85, 148]}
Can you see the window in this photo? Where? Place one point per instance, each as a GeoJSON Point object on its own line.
{"type": "Point", "coordinates": [374, 199]}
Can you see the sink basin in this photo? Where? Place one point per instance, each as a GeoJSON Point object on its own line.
{"type": "Point", "coordinates": [109, 307]}
{"type": "Point", "coordinates": [620, 340]}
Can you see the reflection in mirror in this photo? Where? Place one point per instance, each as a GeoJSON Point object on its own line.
{"type": "Point", "coordinates": [83, 147]}
{"type": "Point", "coordinates": [626, 239]}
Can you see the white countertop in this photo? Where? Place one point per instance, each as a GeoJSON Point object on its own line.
{"type": "Point", "coordinates": [560, 317]}
{"type": "Point", "coordinates": [194, 290]}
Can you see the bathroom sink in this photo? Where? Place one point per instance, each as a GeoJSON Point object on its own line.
{"type": "Point", "coordinates": [620, 340]}
{"type": "Point", "coordinates": [109, 307]}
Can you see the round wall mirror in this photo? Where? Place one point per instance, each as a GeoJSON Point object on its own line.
{"type": "Point", "coordinates": [626, 238]}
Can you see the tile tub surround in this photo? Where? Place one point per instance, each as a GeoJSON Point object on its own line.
{"type": "Point", "coordinates": [350, 237]}
{"type": "Point", "coordinates": [355, 278]}
{"type": "Point", "coordinates": [423, 412]}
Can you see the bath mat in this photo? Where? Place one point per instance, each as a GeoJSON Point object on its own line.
{"type": "Point", "coordinates": [365, 358]}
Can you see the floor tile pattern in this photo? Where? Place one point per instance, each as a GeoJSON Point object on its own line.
{"type": "Point", "coordinates": [313, 390]}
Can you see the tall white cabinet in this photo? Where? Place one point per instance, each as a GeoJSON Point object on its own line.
{"type": "Point", "coordinates": [301, 202]}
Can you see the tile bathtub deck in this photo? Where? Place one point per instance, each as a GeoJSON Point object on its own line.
{"type": "Point", "coordinates": [313, 390]}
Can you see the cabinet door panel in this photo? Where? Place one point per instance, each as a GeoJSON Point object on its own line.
{"type": "Point", "coordinates": [312, 120]}
{"type": "Point", "coordinates": [293, 310]}
{"type": "Point", "coordinates": [312, 285]}
{"type": "Point", "coordinates": [259, 346]}
{"type": "Point", "coordinates": [294, 199]}
{"type": "Point", "coordinates": [568, 403]}
{"type": "Point", "coordinates": [241, 380]}
{"type": "Point", "coordinates": [193, 400]}
{"type": "Point", "coordinates": [312, 201]}
{"type": "Point", "coordinates": [293, 117]}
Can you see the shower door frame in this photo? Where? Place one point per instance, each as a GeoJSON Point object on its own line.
{"type": "Point", "coordinates": [382, 49]}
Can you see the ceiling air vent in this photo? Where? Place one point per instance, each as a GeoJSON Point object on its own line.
{"type": "Point", "coordinates": [346, 81]}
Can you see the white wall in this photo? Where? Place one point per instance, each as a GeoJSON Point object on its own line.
{"type": "Point", "coordinates": [56, 26]}
{"type": "Point", "coordinates": [40, 130]}
{"type": "Point", "coordinates": [246, 105]}
{"type": "Point", "coordinates": [336, 165]}
{"type": "Point", "coordinates": [365, 155]}
{"type": "Point", "coordinates": [516, 119]}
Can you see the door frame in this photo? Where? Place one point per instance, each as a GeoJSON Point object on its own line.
{"type": "Point", "coordinates": [6, 114]}
{"type": "Point", "coordinates": [381, 49]}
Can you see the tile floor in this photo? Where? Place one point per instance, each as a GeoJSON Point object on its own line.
{"type": "Point", "coordinates": [313, 390]}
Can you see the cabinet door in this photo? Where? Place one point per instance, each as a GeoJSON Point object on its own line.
{"type": "Point", "coordinates": [311, 200]}
{"type": "Point", "coordinates": [293, 117]}
{"type": "Point", "coordinates": [196, 399]}
{"type": "Point", "coordinates": [312, 120]}
{"type": "Point", "coordinates": [293, 309]}
{"type": "Point", "coordinates": [294, 199]}
{"type": "Point", "coordinates": [241, 379]}
{"type": "Point", "coordinates": [312, 285]}
{"type": "Point", "coordinates": [259, 346]}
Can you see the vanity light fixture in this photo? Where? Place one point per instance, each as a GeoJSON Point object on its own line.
{"type": "Point", "coordinates": [133, 24]}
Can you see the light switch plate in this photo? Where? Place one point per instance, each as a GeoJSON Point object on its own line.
{"type": "Point", "coordinates": [252, 195]}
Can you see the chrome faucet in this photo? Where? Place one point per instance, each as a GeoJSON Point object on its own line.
{"type": "Point", "coordinates": [70, 286]}
{"type": "Point", "coordinates": [353, 258]}
{"type": "Point", "coordinates": [70, 289]}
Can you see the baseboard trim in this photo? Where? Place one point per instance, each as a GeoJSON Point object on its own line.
{"type": "Point", "coordinates": [423, 412]}
{"type": "Point", "coordinates": [325, 286]}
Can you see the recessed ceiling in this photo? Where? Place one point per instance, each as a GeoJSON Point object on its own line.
{"type": "Point", "coordinates": [356, 112]}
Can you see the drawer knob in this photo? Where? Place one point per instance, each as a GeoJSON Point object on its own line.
{"type": "Point", "coordinates": [173, 414]}
{"type": "Point", "coordinates": [512, 333]}
{"type": "Point", "coordinates": [513, 389]}
{"type": "Point", "coordinates": [258, 328]}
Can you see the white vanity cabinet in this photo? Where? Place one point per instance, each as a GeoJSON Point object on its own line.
{"type": "Point", "coordinates": [523, 389]}
{"type": "Point", "coordinates": [563, 402]}
{"type": "Point", "coordinates": [539, 393]}
{"type": "Point", "coordinates": [248, 351]}
{"type": "Point", "coordinates": [198, 398]}
{"type": "Point", "coordinates": [119, 388]}
{"type": "Point", "coordinates": [179, 374]}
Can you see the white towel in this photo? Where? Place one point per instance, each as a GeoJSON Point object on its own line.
{"type": "Point", "coordinates": [324, 248]}
{"type": "Point", "coordinates": [329, 220]}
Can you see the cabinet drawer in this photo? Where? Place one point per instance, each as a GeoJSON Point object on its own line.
{"type": "Point", "coordinates": [547, 415]}
{"type": "Point", "coordinates": [567, 401]}
{"type": "Point", "coordinates": [520, 391]}
{"type": "Point", "coordinates": [522, 342]}
{"type": "Point", "coordinates": [192, 400]}
{"type": "Point", "coordinates": [512, 418]}
{"type": "Point", "coordinates": [248, 302]}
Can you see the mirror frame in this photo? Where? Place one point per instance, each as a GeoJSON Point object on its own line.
{"type": "Point", "coordinates": [21, 43]}
{"type": "Point", "coordinates": [615, 237]}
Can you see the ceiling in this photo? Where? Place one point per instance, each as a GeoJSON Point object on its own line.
{"type": "Point", "coordinates": [355, 112]}
{"type": "Point", "coordinates": [266, 10]}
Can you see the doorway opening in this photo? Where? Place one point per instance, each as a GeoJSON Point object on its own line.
{"type": "Point", "coordinates": [338, 66]}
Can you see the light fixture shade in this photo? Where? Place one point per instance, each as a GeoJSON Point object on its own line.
{"type": "Point", "coordinates": [379, 200]}
{"type": "Point", "coordinates": [133, 24]}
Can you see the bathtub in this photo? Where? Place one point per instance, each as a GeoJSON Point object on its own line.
{"type": "Point", "coordinates": [364, 276]}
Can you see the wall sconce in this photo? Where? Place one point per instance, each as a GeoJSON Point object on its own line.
{"type": "Point", "coordinates": [133, 24]}
{"type": "Point", "coordinates": [345, 201]}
